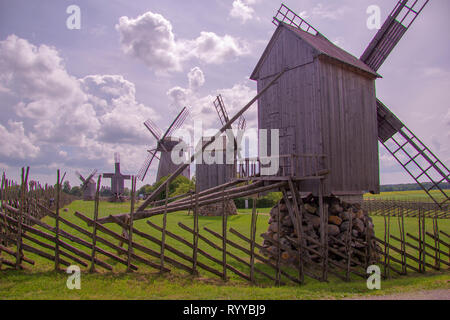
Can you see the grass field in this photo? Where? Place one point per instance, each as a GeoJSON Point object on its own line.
{"type": "Point", "coordinates": [414, 195]}
{"type": "Point", "coordinates": [40, 282]}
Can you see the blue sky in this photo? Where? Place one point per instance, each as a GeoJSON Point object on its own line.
{"type": "Point", "coordinates": [70, 98]}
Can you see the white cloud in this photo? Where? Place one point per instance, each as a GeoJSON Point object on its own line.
{"type": "Point", "coordinates": [331, 12]}
{"type": "Point", "coordinates": [242, 10]}
{"type": "Point", "coordinates": [58, 119]}
{"type": "Point", "coordinates": [15, 143]}
{"type": "Point", "coordinates": [202, 108]}
{"type": "Point", "coordinates": [150, 38]}
{"type": "Point", "coordinates": [196, 78]}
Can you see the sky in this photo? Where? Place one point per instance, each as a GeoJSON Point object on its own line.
{"type": "Point", "coordinates": [71, 98]}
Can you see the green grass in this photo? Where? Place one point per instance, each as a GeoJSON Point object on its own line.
{"type": "Point", "coordinates": [414, 195]}
{"type": "Point", "coordinates": [40, 282]}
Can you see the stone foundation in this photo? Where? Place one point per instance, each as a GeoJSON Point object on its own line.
{"type": "Point", "coordinates": [215, 209]}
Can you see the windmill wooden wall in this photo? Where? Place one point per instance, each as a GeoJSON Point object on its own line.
{"type": "Point", "coordinates": [212, 175]}
{"type": "Point", "coordinates": [321, 106]}
{"type": "Point", "coordinates": [166, 166]}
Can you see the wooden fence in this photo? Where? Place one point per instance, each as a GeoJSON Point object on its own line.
{"type": "Point", "coordinates": [22, 232]}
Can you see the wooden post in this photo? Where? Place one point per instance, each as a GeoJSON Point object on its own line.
{"type": "Point", "coordinates": [224, 237]}
{"type": "Point", "coordinates": [349, 247]}
{"type": "Point", "coordinates": [437, 256]}
{"type": "Point", "coordinates": [278, 276]}
{"type": "Point", "coordinates": [2, 235]}
{"type": "Point", "coordinates": [387, 223]}
{"type": "Point", "coordinates": [423, 239]}
{"type": "Point", "coordinates": [195, 235]}
{"type": "Point", "coordinates": [94, 232]}
{"type": "Point", "coordinates": [19, 253]}
{"type": "Point", "coordinates": [130, 228]}
{"type": "Point", "coordinates": [58, 189]}
{"type": "Point", "coordinates": [403, 234]}
{"type": "Point", "coordinates": [323, 233]}
{"type": "Point", "coordinates": [164, 227]}
{"type": "Point", "coordinates": [252, 238]}
{"type": "Point", "coordinates": [298, 227]}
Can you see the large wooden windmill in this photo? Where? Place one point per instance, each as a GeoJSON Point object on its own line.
{"type": "Point", "coordinates": [165, 144]}
{"type": "Point", "coordinates": [215, 174]}
{"type": "Point", "coordinates": [325, 104]}
{"type": "Point", "coordinates": [87, 185]}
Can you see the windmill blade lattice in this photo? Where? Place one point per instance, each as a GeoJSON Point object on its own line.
{"type": "Point", "coordinates": [286, 15]}
{"type": "Point", "coordinates": [409, 151]}
{"type": "Point", "coordinates": [153, 128]}
{"type": "Point", "coordinates": [178, 122]}
{"type": "Point", "coordinates": [393, 29]}
{"type": "Point", "coordinates": [148, 161]}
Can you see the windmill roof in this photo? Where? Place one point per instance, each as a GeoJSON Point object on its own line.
{"type": "Point", "coordinates": [322, 45]}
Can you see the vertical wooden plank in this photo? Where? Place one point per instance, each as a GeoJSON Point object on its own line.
{"type": "Point", "coordinates": [130, 228]}
{"type": "Point", "coordinates": [298, 226]}
{"type": "Point", "coordinates": [19, 253]}
{"type": "Point", "coordinates": [224, 237]}
{"type": "Point", "coordinates": [349, 247]}
{"type": "Point", "coordinates": [2, 233]}
{"type": "Point", "coordinates": [278, 276]}
{"type": "Point", "coordinates": [403, 237]}
{"type": "Point", "coordinates": [323, 233]}
{"type": "Point", "coordinates": [163, 235]}
{"type": "Point", "coordinates": [58, 195]}
{"type": "Point", "coordinates": [94, 232]}
{"type": "Point", "coordinates": [195, 235]}
{"type": "Point", "coordinates": [252, 238]}
{"type": "Point", "coordinates": [424, 241]}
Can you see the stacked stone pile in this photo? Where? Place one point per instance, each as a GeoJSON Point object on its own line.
{"type": "Point", "coordinates": [341, 215]}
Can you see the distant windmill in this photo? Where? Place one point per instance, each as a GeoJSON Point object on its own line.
{"type": "Point", "coordinates": [87, 185]}
{"type": "Point", "coordinates": [212, 175]}
{"type": "Point", "coordinates": [165, 145]}
{"type": "Point", "coordinates": [117, 179]}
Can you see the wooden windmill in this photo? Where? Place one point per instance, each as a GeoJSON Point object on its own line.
{"type": "Point", "coordinates": [117, 180]}
{"type": "Point", "coordinates": [215, 174]}
{"type": "Point", "coordinates": [326, 104]}
{"type": "Point", "coordinates": [87, 185]}
{"type": "Point", "coordinates": [165, 144]}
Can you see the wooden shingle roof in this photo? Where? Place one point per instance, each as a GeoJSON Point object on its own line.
{"type": "Point", "coordinates": [322, 45]}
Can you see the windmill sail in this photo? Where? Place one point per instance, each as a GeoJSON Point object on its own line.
{"type": "Point", "coordinates": [416, 158]}
{"type": "Point", "coordinates": [148, 161]}
{"type": "Point", "coordinates": [393, 29]}
{"type": "Point", "coordinates": [286, 15]}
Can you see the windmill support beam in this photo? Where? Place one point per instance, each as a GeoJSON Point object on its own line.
{"type": "Point", "coordinates": [161, 188]}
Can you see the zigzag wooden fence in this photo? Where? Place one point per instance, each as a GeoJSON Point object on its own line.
{"type": "Point", "coordinates": [406, 207]}
{"type": "Point", "coordinates": [94, 246]}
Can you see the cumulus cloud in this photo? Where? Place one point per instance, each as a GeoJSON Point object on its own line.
{"type": "Point", "coordinates": [196, 78]}
{"type": "Point", "coordinates": [241, 9]}
{"type": "Point", "coordinates": [49, 116]}
{"type": "Point", "coordinates": [202, 108]}
{"type": "Point", "coordinates": [15, 143]}
{"type": "Point", "coordinates": [150, 39]}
